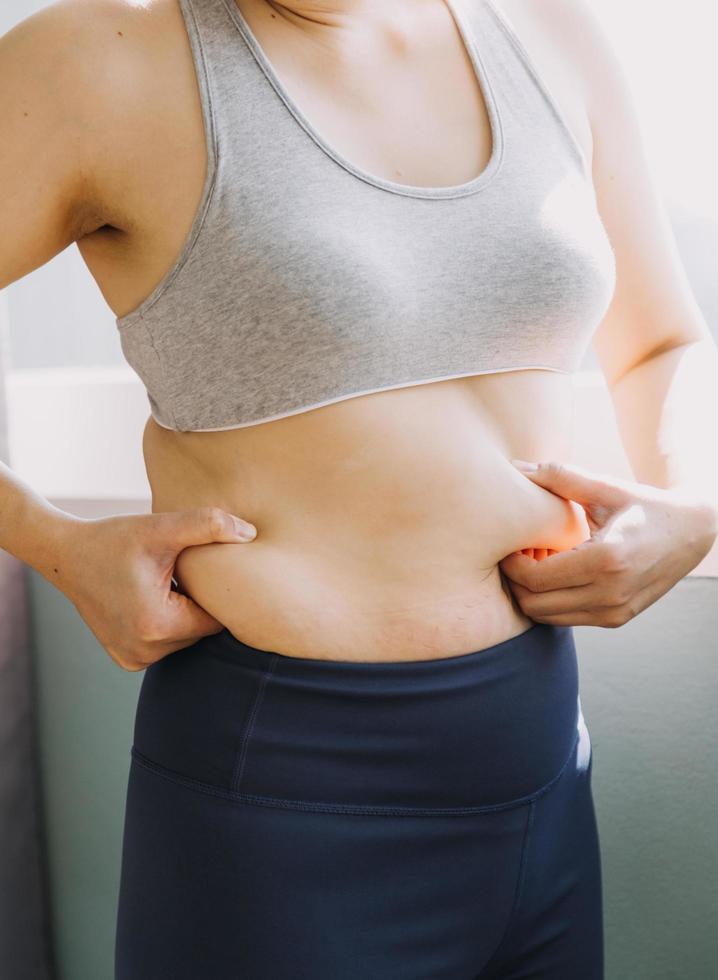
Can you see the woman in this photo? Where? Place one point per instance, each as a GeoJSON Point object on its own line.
{"type": "Point", "coordinates": [356, 253]}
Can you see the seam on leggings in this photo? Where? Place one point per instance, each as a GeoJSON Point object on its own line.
{"type": "Point", "coordinates": [519, 888]}
{"type": "Point", "coordinates": [244, 740]}
{"type": "Point", "coordinates": [358, 809]}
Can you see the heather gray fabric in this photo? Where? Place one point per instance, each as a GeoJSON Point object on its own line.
{"type": "Point", "coordinates": [304, 280]}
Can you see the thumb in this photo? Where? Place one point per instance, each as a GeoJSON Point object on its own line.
{"type": "Point", "coordinates": [203, 525]}
{"type": "Point", "coordinates": [575, 483]}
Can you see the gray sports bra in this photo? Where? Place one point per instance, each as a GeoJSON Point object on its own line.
{"type": "Point", "coordinates": [304, 280]}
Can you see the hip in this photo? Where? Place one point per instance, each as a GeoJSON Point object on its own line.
{"type": "Point", "coordinates": [291, 818]}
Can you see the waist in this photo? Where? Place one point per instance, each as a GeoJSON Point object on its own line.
{"type": "Point", "coordinates": [488, 729]}
{"type": "Point", "coordinates": [352, 589]}
{"type": "Point", "coordinates": [381, 520]}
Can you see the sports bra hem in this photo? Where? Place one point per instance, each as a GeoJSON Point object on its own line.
{"type": "Point", "coordinates": [367, 391]}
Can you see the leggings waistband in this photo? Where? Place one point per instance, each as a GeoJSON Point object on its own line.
{"type": "Point", "coordinates": [484, 730]}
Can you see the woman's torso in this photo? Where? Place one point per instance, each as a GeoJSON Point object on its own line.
{"type": "Point", "coordinates": [382, 517]}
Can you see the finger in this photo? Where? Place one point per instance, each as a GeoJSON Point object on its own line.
{"type": "Point", "coordinates": [607, 615]}
{"type": "Point", "coordinates": [577, 566]}
{"type": "Point", "coordinates": [203, 525]}
{"type": "Point", "coordinates": [577, 483]}
{"type": "Point", "coordinates": [586, 598]}
{"type": "Point", "coordinates": [580, 617]}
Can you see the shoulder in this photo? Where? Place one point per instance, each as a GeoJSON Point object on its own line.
{"type": "Point", "coordinates": [105, 75]}
{"type": "Point", "coordinates": [96, 49]}
{"type": "Point", "coordinates": [71, 31]}
{"type": "Point", "coordinates": [571, 33]}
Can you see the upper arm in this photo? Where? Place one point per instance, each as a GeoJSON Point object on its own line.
{"type": "Point", "coordinates": [41, 166]}
{"type": "Point", "coordinates": [66, 88]}
{"type": "Point", "coordinates": [653, 307]}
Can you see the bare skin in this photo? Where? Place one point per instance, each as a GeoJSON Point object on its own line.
{"type": "Point", "coordinates": [353, 557]}
{"type": "Point", "coordinates": [381, 519]}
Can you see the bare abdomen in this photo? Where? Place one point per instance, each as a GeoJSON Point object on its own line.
{"type": "Point", "coordinates": [375, 546]}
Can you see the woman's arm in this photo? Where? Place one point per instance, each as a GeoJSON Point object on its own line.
{"type": "Point", "coordinates": [55, 97]}
{"type": "Point", "coordinates": [45, 205]}
{"type": "Point", "coordinates": [46, 192]}
{"type": "Point", "coordinates": [661, 367]}
{"type": "Point", "coordinates": [654, 347]}
{"type": "Point", "coordinates": [667, 412]}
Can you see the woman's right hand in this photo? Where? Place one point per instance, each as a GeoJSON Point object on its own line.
{"type": "Point", "coordinates": [117, 571]}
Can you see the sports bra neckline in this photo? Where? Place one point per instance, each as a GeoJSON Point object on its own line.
{"type": "Point", "coordinates": [464, 189]}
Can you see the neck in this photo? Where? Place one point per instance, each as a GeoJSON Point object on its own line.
{"type": "Point", "coordinates": [337, 13]}
{"type": "Point", "coordinates": [326, 11]}
{"type": "Point", "coordinates": [348, 32]}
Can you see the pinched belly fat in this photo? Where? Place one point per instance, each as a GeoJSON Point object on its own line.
{"type": "Point", "coordinates": [372, 577]}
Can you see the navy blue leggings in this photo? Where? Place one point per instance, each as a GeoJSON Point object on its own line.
{"type": "Point", "coordinates": [293, 819]}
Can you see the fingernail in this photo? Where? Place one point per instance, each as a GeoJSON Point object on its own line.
{"type": "Point", "coordinates": [245, 530]}
{"type": "Point", "coordinates": [522, 464]}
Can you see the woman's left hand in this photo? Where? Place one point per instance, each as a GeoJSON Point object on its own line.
{"type": "Point", "coordinates": [643, 540]}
